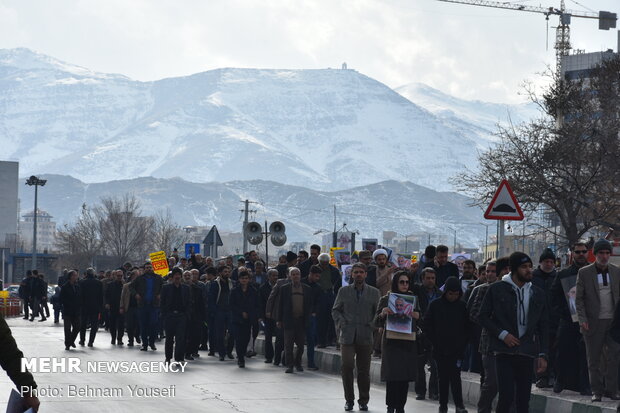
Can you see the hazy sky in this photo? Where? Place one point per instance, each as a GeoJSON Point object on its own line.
{"type": "Point", "coordinates": [471, 52]}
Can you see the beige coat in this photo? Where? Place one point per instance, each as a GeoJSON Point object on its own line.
{"type": "Point", "coordinates": [354, 318]}
{"type": "Point", "coordinates": [587, 300]}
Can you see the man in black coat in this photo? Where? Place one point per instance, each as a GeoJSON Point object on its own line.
{"type": "Point", "coordinates": [293, 317]}
{"type": "Point", "coordinates": [24, 293]}
{"type": "Point", "coordinates": [304, 267]}
{"type": "Point", "coordinates": [175, 308]}
{"type": "Point", "coordinates": [92, 301]}
{"type": "Point", "coordinates": [571, 364]}
{"type": "Point", "coordinates": [38, 291]}
{"type": "Point", "coordinates": [312, 282]}
{"type": "Point", "coordinates": [543, 277]}
{"type": "Point", "coordinates": [147, 289]}
{"type": "Point", "coordinates": [270, 325]}
{"type": "Point", "coordinates": [443, 267]}
{"type": "Point", "coordinates": [448, 327]}
{"type": "Point", "coordinates": [113, 292]}
{"type": "Point", "coordinates": [71, 301]}
{"type": "Point", "coordinates": [514, 312]}
{"type": "Point", "coordinates": [244, 303]}
{"type": "Point", "coordinates": [197, 317]}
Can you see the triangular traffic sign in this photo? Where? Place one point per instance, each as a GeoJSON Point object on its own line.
{"type": "Point", "coordinates": [213, 237]}
{"type": "Point", "coordinates": [504, 204]}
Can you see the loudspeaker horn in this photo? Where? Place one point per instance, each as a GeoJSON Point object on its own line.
{"type": "Point", "coordinates": [253, 233]}
{"type": "Point", "coordinates": [278, 237]}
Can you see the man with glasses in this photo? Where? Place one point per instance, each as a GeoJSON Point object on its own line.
{"type": "Point", "coordinates": [598, 292]}
{"type": "Point", "coordinates": [571, 366]}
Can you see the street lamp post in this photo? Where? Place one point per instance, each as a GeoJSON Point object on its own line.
{"type": "Point", "coordinates": [36, 182]}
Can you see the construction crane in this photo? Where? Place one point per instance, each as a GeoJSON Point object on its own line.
{"type": "Point", "coordinates": [606, 20]}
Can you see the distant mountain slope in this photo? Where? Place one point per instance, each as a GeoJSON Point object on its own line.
{"type": "Point", "coordinates": [324, 129]}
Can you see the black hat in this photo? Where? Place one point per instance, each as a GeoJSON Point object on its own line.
{"type": "Point", "coordinates": [291, 256]}
{"type": "Point", "coordinates": [452, 284]}
{"type": "Point", "coordinates": [547, 255]}
{"type": "Point", "coordinates": [517, 259]}
{"type": "Point", "coordinates": [602, 244]}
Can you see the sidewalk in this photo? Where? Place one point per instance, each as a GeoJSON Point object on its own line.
{"type": "Point", "coordinates": [328, 361]}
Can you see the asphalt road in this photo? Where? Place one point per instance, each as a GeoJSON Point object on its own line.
{"type": "Point", "coordinates": [207, 385]}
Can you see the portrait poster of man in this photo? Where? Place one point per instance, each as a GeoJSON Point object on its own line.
{"type": "Point", "coordinates": [346, 274]}
{"type": "Point", "coordinates": [569, 285]}
{"type": "Point", "coordinates": [343, 257]}
{"type": "Point", "coordinates": [369, 244]}
{"type": "Point", "coordinates": [402, 306]}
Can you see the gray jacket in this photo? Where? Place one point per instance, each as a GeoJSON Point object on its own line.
{"type": "Point", "coordinates": [354, 318]}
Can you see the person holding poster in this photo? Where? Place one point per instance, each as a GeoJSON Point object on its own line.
{"type": "Point", "coordinates": [399, 356]}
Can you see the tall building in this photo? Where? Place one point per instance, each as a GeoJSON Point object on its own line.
{"type": "Point", "coordinates": [580, 64]}
{"type": "Point", "coordinates": [46, 231]}
{"type": "Point", "coordinates": [9, 178]}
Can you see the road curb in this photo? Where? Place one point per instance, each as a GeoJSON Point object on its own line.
{"type": "Point", "coordinates": [329, 361]}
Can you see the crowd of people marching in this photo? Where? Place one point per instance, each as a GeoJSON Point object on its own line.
{"type": "Point", "coordinates": [511, 323]}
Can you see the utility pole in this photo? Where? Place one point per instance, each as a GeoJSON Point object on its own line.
{"type": "Point", "coordinates": [246, 210]}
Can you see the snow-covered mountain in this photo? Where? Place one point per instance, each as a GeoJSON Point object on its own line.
{"type": "Point", "coordinates": [323, 129]}
{"type": "Point", "coordinates": [370, 209]}
{"type": "Point", "coordinates": [474, 118]}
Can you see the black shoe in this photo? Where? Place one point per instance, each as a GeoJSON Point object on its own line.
{"type": "Point", "coordinates": [612, 396]}
{"type": "Point", "coordinates": [43, 319]}
{"type": "Point", "coordinates": [130, 344]}
{"type": "Point", "coordinates": [144, 348]}
{"type": "Point", "coordinates": [25, 318]}
{"type": "Point", "coordinates": [188, 357]}
{"type": "Point", "coordinates": [195, 355]}
{"type": "Point", "coordinates": [153, 347]}
{"type": "Point", "coordinates": [461, 409]}
{"type": "Point", "coordinates": [557, 387]}
{"type": "Point", "coordinates": [67, 347]}
{"type": "Point", "coordinates": [90, 344]}
{"type": "Point", "coordinates": [250, 353]}
{"type": "Point", "coordinates": [348, 406]}
{"type": "Point", "coordinates": [113, 342]}
{"type": "Point", "coordinates": [363, 407]}
{"type": "Point", "coordinates": [81, 343]}
{"type": "Point", "coordinates": [443, 409]}
{"type": "Point", "coordinates": [211, 354]}
{"type": "Point", "coordinates": [167, 361]}
{"type": "Point", "coordinates": [73, 345]}
{"type": "Point", "coordinates": [268, 361]}
{"type": "Point", "coordinates": [597, 398]}
{"type": "Point", "coordinates": [138, 340]}
{"type": "Point", "coordinates": [56, 321]}
{"type": "Point", "coordinates": [312, 367]}
{"type": "Point", "coordinates": [222, 358]}
{"type": "Point", "coordinates": [119, 343]}
{"type": "Point", "coordinates": [241, 363]}
{"type": "Point", "coordinates": [31, 318]}
{"type": "Point", "coordinates": [420, 397]}
{"type": "Point", "coordinates": [230, 356]}
{"type": "Point", "coordinates": [299, 368]}
{"type": "Point", "coordinates": [289, 370]}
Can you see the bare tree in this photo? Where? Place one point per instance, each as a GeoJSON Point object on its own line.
{"type": "Point", "coordinates": [124, 231]}
{"type": "Point", "coordinates": [567, 159]}
{"type": "Point", "coordinates": [167, 235]}
{"type": "Point", "coordinates": [80, 243]}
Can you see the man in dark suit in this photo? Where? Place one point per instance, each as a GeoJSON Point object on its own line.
{"type": "Point", "coordinates": [598, 292]}
{"type": "Point", "coordinates": [175, 307]}
{"type": "Point", "coordinates": [71, 302]}
{"type": "Point", "coordinates": [92, 301]}
{"type": "Point", "coordinates": [294, 316]}
{"type": "Point", "coordinates": [116, 320]}
{"type": "Point", "coordinates": [147, 290]}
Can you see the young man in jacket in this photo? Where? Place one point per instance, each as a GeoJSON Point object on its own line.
{"type": "Point", "coordinates": [116, 320]}
{"type": "Point", "coordinates": [354, 312]}
{"type": "Point", "coordinates": [92, 301]}
{"type": "Point", "coordinates": [448, 327]}
{"type": "Point", "coordinates": [514, 312]}
{"type": "Point", "coordinates": [244, 303]}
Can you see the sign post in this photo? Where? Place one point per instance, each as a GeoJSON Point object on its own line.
{"type": "Point", "coordinates": [503, 207]}
{"type": "Point", "coordinates": [212, 241]}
